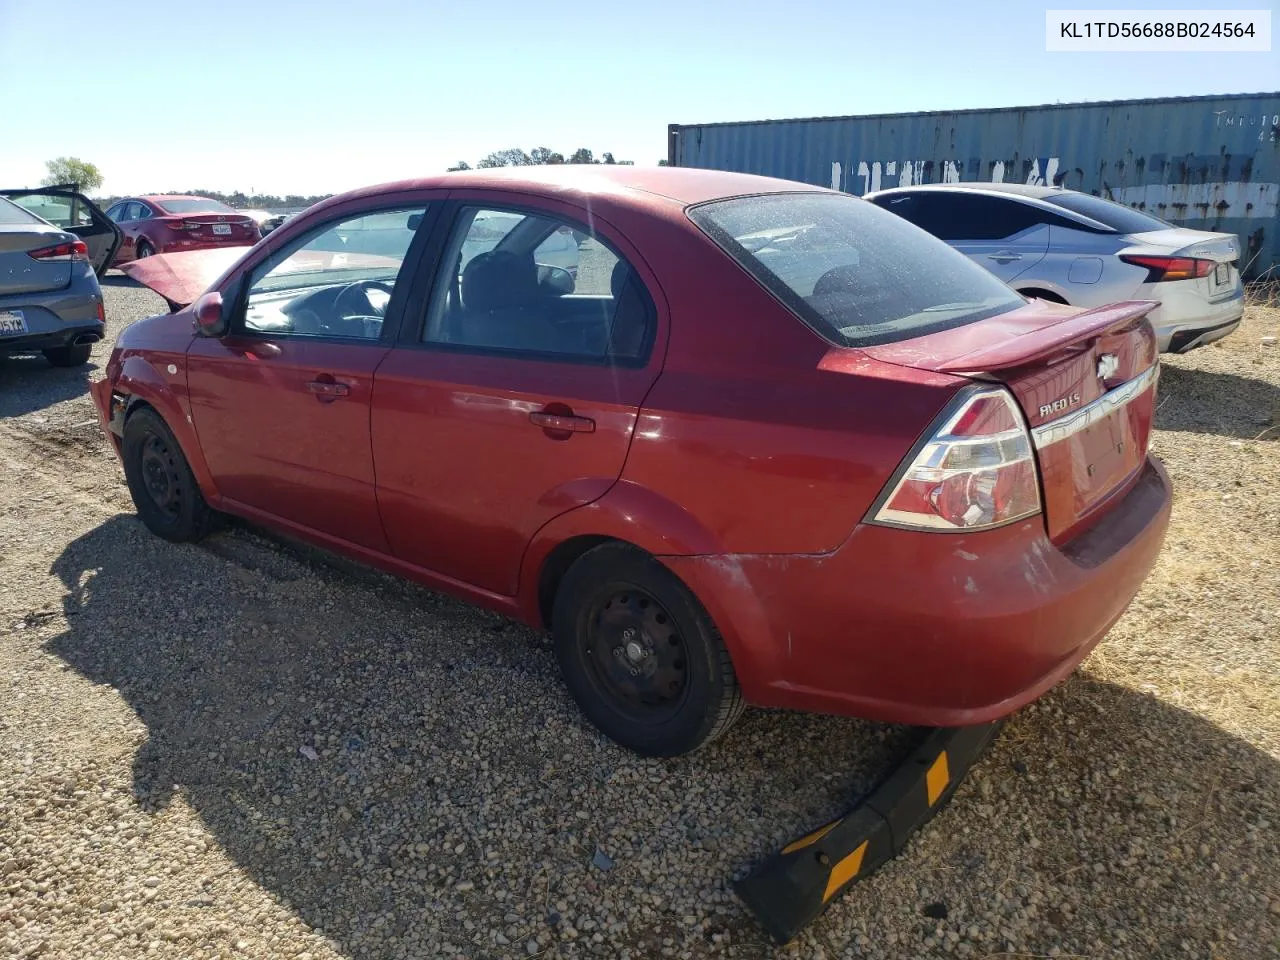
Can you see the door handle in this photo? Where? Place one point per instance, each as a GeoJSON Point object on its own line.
{"type": "Point", "coordinates": [328, 388]}
{"type": "Point", "coordinates": [1004, 256]}
{"type": "Point", "coordinates": [562, 422]}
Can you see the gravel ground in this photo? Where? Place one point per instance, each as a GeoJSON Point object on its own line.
{"type": "Point", "coordinates": [241, 749]}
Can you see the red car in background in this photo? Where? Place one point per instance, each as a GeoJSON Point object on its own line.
{"type": "Point", "coordinates": [165, 223]}
{"type": "Point", "coordinates": [771, 444]}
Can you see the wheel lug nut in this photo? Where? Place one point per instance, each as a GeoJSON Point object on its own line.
{"type": "Point", "coordinates": [617, 651]}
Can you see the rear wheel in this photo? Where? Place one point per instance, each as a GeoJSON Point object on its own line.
{"type": "Point", "coordinates": [145, 249]}
{"type": "Point", "coordinates": [640, 655]}
{"type": "Point", "coordinates": [161, 483]}
{"type": "Point", "coordinates": [72, 355]}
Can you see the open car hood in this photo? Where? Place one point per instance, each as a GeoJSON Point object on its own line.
{"type": "Point", "coordinates": [181, 277]}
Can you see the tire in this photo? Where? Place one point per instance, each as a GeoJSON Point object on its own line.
{"type": "Point", "coordinates": [72, 355]}
{"type": "Point", "coordinates": [160, 480]}
{"type": "Point", "coordinates": [144, 249]}
{"type": "Point", "coordinates": [640, 655]}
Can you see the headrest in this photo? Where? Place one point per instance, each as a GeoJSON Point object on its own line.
{"type": "Point", "coordinates": [499, 279]}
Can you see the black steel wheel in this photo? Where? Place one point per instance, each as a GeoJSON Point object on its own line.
{"type": "Point", "coordinates": [160, 480]}
{"type": "Point", "coordinates": [640, 654]}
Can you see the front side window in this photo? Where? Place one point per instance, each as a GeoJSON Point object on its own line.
{"type": "Point", "coordinates": [531, 284]}
{"type": "Point", "coordinates": [962, 216]}
{"type": "Point", "coordinates": [334, 282]}
{"type": "Point", "coordinates": [856, 273]}
{"type": "Point", "coordinates": [116, 211]}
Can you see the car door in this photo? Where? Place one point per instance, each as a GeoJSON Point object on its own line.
{"type": "Point", "coordinates": [513, 399]}
{"type": "Point", "coordinates": [71, 210]}
{"type": "Point", "coordinates": [281, 402]}
{"type": "Point", "coordinates": [1001, 234]}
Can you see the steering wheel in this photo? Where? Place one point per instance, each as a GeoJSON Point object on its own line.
{"type": "Point", "coordinates": [353, 300]}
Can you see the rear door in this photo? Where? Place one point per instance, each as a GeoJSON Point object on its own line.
{"type": "Point", "coordinates": [514, 397]}
{"type": "Point", "coordinates": [67, 208]}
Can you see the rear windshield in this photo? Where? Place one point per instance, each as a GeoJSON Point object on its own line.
{"type": "Point", "coordinates": [11, 213]}
{"type": "Point", "coordinates": [857, 274]}
{"type": "Point", "coordinates": [195, 205]}
{"type": "Point", "coordinates": [1114, 215]}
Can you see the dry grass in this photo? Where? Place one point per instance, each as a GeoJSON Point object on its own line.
{"type": "Point", "coordinates": [1205, 632]}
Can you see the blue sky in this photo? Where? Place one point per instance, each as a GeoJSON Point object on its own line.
{"type": "Point", "coordinates": [291, 97]}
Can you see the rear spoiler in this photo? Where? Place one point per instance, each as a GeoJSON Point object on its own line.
{"type": "Point", "coordinates": [181, 277]}
{"type": "Point", "coordinates": [1036, 346]}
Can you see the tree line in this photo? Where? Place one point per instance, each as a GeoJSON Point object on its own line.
{"type": "Point", "coordinates": [516, 157]}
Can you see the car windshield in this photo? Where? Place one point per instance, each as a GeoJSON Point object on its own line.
{"type": "Point", "coordinates": [1108, 213]}
{"type": "Point", "coordinates": [11, 213]}
{"type": "Point", "coordinates": [193, 205]}
{"type": "Point", "coordinates": [857, 274]}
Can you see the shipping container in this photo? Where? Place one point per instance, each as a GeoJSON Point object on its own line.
{"type": "Point", "coordinates": [1212, 163]}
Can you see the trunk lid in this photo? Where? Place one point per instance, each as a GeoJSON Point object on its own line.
{"type": "Point", "coordinates": [1183, 242]}
{"type": "Point", "coordinates": [19, 273]}
{"type": "Point", "coordinates": [219, 227]}
{"type": "Point", "coordinates": [1085, 381]}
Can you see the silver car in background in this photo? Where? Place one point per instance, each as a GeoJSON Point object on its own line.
{"type": "Point", "coordinates": [50, 261]}
{"type": "Point", "coordinates": [1072, 247]}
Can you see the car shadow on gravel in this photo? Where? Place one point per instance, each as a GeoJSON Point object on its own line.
{"type": "Point", "coordinates": [1227, 404]}
{"type": "Point", "coordinates": [408, 775]}
{"type": "Point", "coordinates": [30, 383]}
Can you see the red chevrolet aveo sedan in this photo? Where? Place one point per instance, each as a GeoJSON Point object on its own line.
{"type": "Point", "coordinates": [769, 444]}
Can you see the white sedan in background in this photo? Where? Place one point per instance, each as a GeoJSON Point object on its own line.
{"type": "Point", "coordinates": [1072, 247]}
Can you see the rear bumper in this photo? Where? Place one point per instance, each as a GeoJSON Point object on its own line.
{"type": "Point", "coordinates": [35, 342]}
{"type": "Point", "coordinates": [56, 318]}
{"type": "Point", "coordinates": [1185, 319]}
{"type": "Point", "coordinates": [926, 628]}
{"type": "Point", "coordinates": [183, 245]}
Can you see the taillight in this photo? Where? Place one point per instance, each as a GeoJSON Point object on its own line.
{"type": "Point", "coordinates": [976, 472]}
{"type": "Point", "coordinates": [1171, 268]}
{"type": "Point", "coordinates": [181, 225]}
{"type": "Point", "coordinates": [75, 250]}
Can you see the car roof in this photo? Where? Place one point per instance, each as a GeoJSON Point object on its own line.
{"type": "Point", "coordinates": [584, 183]}
{"type": "Point", "coordinates": [1017, 189]}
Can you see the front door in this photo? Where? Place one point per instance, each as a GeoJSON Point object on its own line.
{"type": "Point", "coordinates": [281, 404]}
{"type": "Point", "coordinates": [515, 398]}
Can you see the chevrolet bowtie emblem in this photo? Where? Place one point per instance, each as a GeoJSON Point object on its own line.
{"type": "Point", "coordinates": [1107, 366]}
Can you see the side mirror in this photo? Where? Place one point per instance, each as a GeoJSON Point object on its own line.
{"type": "Point", "coordinates": [208, 314]}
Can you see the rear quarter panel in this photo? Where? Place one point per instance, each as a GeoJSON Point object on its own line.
{"type": "Point", "coordinates": [769, 439]}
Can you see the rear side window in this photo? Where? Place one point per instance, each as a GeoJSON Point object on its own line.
{"type": "Point", "coordinates": [857, 274]}
{"type": "Point", "coordinates": [520, 283]}
{"type": "Point", "coordinates": [12, 214]}
{"type": "Point", "coordinates": [1114, 215]}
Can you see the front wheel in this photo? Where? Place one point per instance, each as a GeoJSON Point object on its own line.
{"type": "Point", "coordinates": [640, 655]}
{"type": "Point", "coordinates": [160, 480]}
